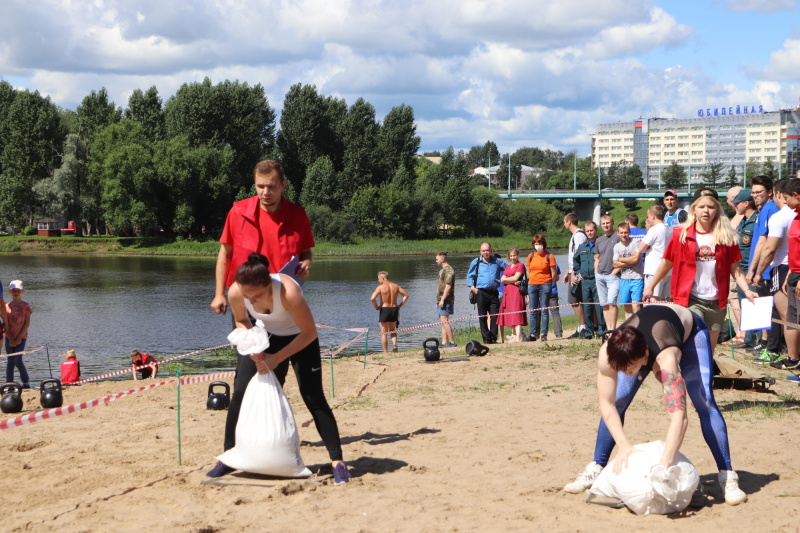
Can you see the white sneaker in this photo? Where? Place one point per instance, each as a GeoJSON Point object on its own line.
{"type": "Point", "coordinates": [585, 479]}
{"type": "Point", "coordinates": [729, 481]}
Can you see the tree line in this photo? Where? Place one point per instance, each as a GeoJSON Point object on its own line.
{"type": "Point", "coordinates": [178, 165]}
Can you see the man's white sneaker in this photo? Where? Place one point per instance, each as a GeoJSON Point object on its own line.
{"type": "Point", "coordinates": [585, 479]}
{"type": "Point", "coordinates": [729, 481]}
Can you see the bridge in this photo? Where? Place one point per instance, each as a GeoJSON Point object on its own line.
{"type": "Point", "coordinates": [587, 201]}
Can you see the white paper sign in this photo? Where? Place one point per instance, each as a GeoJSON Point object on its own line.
{"type": "Point", "coordinates": [758, 315]}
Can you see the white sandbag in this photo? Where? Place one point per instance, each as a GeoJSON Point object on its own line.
{"type": "Point", "coordinates": [249, 341]}
{"type": "Point", "coordinates": [266, 434]}
{"type": "Point", "coordinates": [647, 487]}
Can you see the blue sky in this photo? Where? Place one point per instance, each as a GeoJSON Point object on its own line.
{"type": "Point", "coordinates": [517, 72]}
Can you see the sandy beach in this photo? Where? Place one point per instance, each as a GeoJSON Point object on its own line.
{"type": "Point", "coordinates": [478, 445]}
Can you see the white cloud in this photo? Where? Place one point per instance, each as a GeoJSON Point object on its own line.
{"type": "Point", "coordinates": [784, 64]}
{"type": "Point", "coordinates": [633, 39]}
{"type": "Point", "coordinates": [760, 6]}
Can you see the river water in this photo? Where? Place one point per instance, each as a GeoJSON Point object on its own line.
{"type": "Point", "coordinates": [105, 306]}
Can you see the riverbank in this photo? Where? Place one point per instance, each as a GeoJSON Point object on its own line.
{"type": "Point", "coordinates": [478, 445]}
{"type": "Point", "coordinates": [164, 246]}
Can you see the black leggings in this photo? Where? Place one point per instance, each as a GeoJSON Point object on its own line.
{"type": "Point", "coordinates": [308, 370]}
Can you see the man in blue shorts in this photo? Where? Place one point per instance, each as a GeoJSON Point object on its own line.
{"type": "Point", "coordinates": [628, 258]}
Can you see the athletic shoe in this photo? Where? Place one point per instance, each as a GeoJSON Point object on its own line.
{"type": "Point", "coordinates": [451, 345]}
{"type": "Point", "coordinates": [221, 469]}
{"type": "Point", "coordinates": [532, 338]}
{"type": "Point", "coordinates": [786, 364]}
{"type": "Point", "coordinates": [394, 349]}
{"type": "Point", "coordinates": [576, 335]}
{"type": "Point", "coordinates": [742, 346]}
{"type": "Point", "coordinates": [758, 347]}
{"type": "Point", "coordinates": [793, 379]}
{"type": "Point", "coordinates": [730, 486]}
{"type": "Point", "coordinates": [543, 338]}
{"type": "Point", "coordinates": [766, 357]}
{"type": "Point", "coordinates": [585, 479]}
{"type": "Point", "coordinates": [340, 474]}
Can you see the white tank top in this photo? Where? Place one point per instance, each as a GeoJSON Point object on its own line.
{"type": "Point", "coordinates": [279, 321]}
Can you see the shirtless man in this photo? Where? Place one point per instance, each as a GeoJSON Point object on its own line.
{"type": "Point", "coordinates": [384, 299]}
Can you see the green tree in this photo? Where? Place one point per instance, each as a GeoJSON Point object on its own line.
{"type": "Point", "coordinates": [121, 171]}
{"type": "Point", "coordinates": [674, 176]}
{"type": "Point", "coordinates": [489, 214]}
{"type": "Point", "coordinates": [632, 179]}
{"type": "Point", "coordinates": [752, 169]}
{"type": "Point", "coordinates": [321, 186]}
{"type": "Point", "coordinates": [359, 133]}
{"type": "Point", "coordinates": [769, 170]}
{"type": "Point", "coordinates": [732, 179]}
{"type": "Point", "coordinates": [309, 130]}
{"type": "Point", "coordinates": [66, 190]}
{"type": "Point", "coordinates": [229, 114]}
{"type": "Point", "coordinates": [397, 142]}
{"type": "Point", "coordinates": [712, 175]}
{"type": "Point", "coordinates": [96, 112]}
{"type": "Point", "coordinates": [531, 216]}
{"type": "Point", "coordinates": [146, 109]}
{"type": "Point", "coordinates": [32, 139]}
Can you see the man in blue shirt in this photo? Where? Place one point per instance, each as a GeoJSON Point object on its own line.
{"type": "Point", "coordinates": [761, 191]}
{"type": "Point", "coordinates": [483, 279]}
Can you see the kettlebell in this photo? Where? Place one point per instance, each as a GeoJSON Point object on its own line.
{"type": "Point", "coordinates": [50, 395]}
{"type": "Point", "coordinates": [431, 352]}
{"type": "Point", "coordinates": [476, 348]}
{"type": "Point", "coordinates": [218, 401]}
{"type": "Point", "coordinates": [11, 401]}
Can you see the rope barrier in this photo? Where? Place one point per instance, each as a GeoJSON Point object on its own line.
{"type": "Point", "coordinates": [26, 352]}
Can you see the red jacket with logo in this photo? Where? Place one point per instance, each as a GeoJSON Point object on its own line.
{"type": "Point", "coordinates": [684, 266]}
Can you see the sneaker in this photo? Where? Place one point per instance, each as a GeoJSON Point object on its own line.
{"type": "Point", "coordinates": [742, 346]}
{"type": "Point", "coordinates": [221, 469]}
{"type": "Point", "coordinates": [340, 474]}
{"type": "Point", "coordinates": [585, 479]}
{"type": "Point", "coordinates": [786, 364]}
{"type": "Point", "coordinates": [543, 338]}
{"type": "Point", "coordinates": [758, 347]}
{"type": "Point", "coordinates": [730, 486]}
{"type": "Point", "coordinates": [532, 338]}
{"type": "Point", "coordinates": [766, 357]}
{"type": "Point", "coordinates": [793, 379]}
{"type": "Point", "coordinates": [394, 349]}
{"type": "Point", "coordinates": [576, 335]}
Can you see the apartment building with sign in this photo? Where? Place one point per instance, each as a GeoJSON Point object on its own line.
{"type": "Point", "coordinates": [731, 136]}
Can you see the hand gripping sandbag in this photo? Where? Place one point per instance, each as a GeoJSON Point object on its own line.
{"type": "Point", "coordinates": [266, 434]}
{"type": "Point", "coordinates": [249, 341]}
{"type": "Point", "coordinates": [648, 487]}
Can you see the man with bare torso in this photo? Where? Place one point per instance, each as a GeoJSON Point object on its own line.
{"type": "Point", "coordinates": [384, 299]}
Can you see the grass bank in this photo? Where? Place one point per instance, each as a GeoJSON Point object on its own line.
{"type": "Point", "coordinates": [209, 247]}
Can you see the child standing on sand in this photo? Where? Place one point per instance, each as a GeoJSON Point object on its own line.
{"type": "Point", "coordinates": [16, 331]}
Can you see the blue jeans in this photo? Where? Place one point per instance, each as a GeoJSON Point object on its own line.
{"type": "Point", "coordinates": [16, 361]}
{"type": "Point", "coordinates": [538, 297]}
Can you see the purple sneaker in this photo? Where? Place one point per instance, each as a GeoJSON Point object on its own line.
{"type": "Point", "coordinates": [340, 474]}
{"type": "Point", "coordinates": [221, 469]}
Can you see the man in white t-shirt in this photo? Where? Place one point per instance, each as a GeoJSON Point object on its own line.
{"type": "Point", "coordinates": [775, 253]}
{"type": "Point", "coordinates": [654, 244]}
{"type": "Point", "coordinates": [631, 282]}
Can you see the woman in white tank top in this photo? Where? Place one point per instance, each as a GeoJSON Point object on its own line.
{"type": "Point", "coordinates": [278, 305]}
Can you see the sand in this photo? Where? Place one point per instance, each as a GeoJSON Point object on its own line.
{"type": "Point", "coordinates": [481, 445]}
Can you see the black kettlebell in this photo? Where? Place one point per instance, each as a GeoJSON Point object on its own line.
{"type": "Point", "coordinates": [218, 401]}
{"type": "Point", "coordinates": [11, 401]}
{"type": "Point", "coordinates": [431, 352]}
{"type": "Point", "coordinates": [50, 396]}
{"type": "Point", "coordinates": [476, 348]}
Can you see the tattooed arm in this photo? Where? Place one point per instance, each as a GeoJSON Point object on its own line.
{"type": "Point", "coordinates": [668, 374]}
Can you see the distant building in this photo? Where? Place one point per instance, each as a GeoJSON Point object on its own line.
{"type": "Point", "coordinates": [731, 136]}
{"type": "Point", "coordinates": [526, 176]}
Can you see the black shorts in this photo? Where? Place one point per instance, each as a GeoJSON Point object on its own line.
{"type": "Point", "coordinates": [779, 274]}
{"type": "Point", "coordinates": [575, 294]}
{"type": "Point", "coordinates": [389, 314]}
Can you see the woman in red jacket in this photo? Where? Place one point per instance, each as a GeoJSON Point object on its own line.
{"type": "Point", "coordinates": [703, 253]}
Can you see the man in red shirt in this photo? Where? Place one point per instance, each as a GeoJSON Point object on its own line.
{"type": "Point", "coordinates": [268, 224]}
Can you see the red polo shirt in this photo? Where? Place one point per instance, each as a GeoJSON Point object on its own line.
{"type": "Point", "coordinates": [278, 235]}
